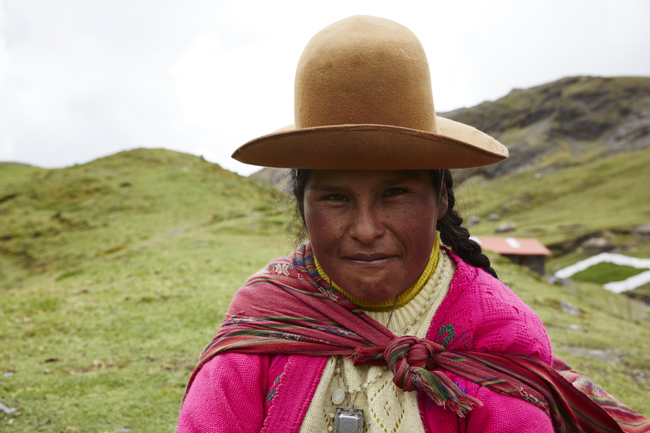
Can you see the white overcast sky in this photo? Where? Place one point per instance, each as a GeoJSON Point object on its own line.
{"type": "Point", "coordinates": [81, 79]}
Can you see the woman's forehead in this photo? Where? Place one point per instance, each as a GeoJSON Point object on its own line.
{"type": "Point", "coordinates": [328, 179]}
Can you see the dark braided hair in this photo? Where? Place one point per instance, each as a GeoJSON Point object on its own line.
{"type": "Point", "coordinates": [452, 233]}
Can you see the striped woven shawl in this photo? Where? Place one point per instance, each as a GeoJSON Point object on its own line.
{"type": "Point", "coordinates": [287, 308]}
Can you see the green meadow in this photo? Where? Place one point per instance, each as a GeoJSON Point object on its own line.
{"type": "Point", "coordinates": [604, 273]}
{"type": "Point", "coordinates": [602, 195]}
{"type": "Point", "coordinates": [116, 273]}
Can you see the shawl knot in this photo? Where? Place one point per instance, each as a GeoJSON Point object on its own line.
{"type": "Point", "coordinates": [412, 361]}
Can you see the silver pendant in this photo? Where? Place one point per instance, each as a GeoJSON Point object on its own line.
{"type": "Point", "coordinates": [348, 420]}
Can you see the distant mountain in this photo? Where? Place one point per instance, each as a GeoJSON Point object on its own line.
{"type": "Point", "coordinates": [559, 124]}
{"type": "Point", "coordinates": [273, 176]}
{"type": "Point", "coordinates": [578, 167]}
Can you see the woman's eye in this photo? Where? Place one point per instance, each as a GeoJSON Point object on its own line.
{"type": "Point", "coordinates": [335, 197]}
{"type": "Point", "coordinates": [393, 192]}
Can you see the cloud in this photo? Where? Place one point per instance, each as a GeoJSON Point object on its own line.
{"type": "Point", "coordinates": [219, 88]}
{"type": "Point", "coordinates": [80, 80]}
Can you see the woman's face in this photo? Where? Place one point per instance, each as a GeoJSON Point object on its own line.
{"type": "Point", "coordinates": [372, 231]}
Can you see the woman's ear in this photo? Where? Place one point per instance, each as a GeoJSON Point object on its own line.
{"type": "Point", "coordinates": [444, 204]}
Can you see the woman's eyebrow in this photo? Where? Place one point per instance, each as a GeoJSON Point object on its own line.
{"type": "Point", "coordinates": [325, 187]}
{"type": "Point", "coordinates": [393, 180]}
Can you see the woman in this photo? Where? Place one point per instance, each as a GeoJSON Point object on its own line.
{"type": "Point", "coordinates": [372, 325]}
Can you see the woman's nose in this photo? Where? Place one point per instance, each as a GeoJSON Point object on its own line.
{"type": "Point", "coordinates": [366, 225]}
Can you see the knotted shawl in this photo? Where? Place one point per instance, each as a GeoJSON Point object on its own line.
{"type": "Point", "coordinates": [287, 308]}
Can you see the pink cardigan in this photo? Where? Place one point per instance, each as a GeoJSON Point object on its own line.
{"type": "Point", "coordinates": [251, 393]}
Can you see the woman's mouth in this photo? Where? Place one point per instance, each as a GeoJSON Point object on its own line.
{"type": "Point", "coordinates": [370, 260]}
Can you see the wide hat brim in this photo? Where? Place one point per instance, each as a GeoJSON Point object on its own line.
{"type": "Point", "coordinates": [374, 147]}
{"type": "Point", "coordinates": [363, 101]}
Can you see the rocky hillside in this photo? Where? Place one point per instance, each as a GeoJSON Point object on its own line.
{"type": "Point", "coordinates": [569, 121]}
{"type": "Point", "coordinates": [273, 176]}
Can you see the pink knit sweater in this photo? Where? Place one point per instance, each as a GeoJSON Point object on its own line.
{"type": "Point", "coordinates": [251, 393]}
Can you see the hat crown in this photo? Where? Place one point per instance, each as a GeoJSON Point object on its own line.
{"type": "Point", "coordinates": [364, 70]}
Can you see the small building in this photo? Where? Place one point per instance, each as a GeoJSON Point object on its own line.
{"type": "Point", "coordinates": [527, 252]}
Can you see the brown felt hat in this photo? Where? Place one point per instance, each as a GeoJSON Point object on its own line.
{"type": "Point", "coordinates": [363, 102]}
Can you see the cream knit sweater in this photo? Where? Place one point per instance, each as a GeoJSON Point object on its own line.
{"type": "Point", "coordinates": [386, 408]}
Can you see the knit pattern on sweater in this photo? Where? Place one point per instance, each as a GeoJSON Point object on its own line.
{"type": "Point", "coordinates": [483, 315]}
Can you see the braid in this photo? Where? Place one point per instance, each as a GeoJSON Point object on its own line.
{"type": "Point", "coordinates": [456, 236]}
{"type": "Point", "coordinates": [296, 181]}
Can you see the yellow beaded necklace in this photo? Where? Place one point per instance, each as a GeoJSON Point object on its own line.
{"type": "Point", "coordinates": [404, 298]}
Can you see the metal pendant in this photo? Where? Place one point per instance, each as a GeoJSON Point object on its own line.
{"type": "Point", "coordinates": [348, 420]}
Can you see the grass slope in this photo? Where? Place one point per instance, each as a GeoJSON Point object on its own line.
{"type": "Point", "coordinates": [99, 266]}
{"type": "Point", "coordinates": [604, 273]}
{"type": "Point", "coordinates": [598, 343]}
{"type": "Point", "coordinates": [59, 220]}
{"type": "Point", "coordinates": [109, 292]}
{"type": "Point", "coordinates": [600, 195]}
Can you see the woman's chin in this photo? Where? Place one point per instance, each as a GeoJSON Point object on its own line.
{"type": "Point", "coordinates": [374, 293]}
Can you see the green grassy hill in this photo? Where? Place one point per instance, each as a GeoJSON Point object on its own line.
{"type": "Point", "coordinates": [115, 274]}
{"type": "Point", "coordinates": [56, 221]}
{"type": "Point", "coordinates": [604, 195]}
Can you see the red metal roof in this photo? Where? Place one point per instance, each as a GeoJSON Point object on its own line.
{"type": "Point", "coordinates": [517, 246]}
